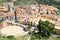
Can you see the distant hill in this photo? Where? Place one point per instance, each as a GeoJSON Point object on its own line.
{"type": "Point", "coordinates": [49, 2]}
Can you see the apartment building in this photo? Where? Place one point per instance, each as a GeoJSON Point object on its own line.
{"type": "Point", "coordinates": [6, 12]}
{"type": "Point", "coordinates": [7, 15]}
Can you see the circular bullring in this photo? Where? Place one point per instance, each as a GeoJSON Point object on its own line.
{"type": "Point", "coordinates": [13, 30]}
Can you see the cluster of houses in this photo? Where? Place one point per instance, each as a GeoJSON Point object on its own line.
{"type": "Point", "coordinates": [6, 13]}
{"type": "Point", "coordinates": [32, 13]}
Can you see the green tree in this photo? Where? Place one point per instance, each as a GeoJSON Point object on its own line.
{"type": "Point", "coordinates": [49, 2]}
{"type": "Point", "coordinates": [45, 28]}
{"type": "Point", "coordinates": [0, 21]}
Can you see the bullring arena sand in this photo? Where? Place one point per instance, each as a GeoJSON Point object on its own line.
{"type": "Point", "coordinates": [13, 30]}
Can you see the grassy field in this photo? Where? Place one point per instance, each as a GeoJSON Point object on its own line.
{"type": "Point", "coordinates": [53, 37]}
{"type": "Point", "coordinates": [25, 37]}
